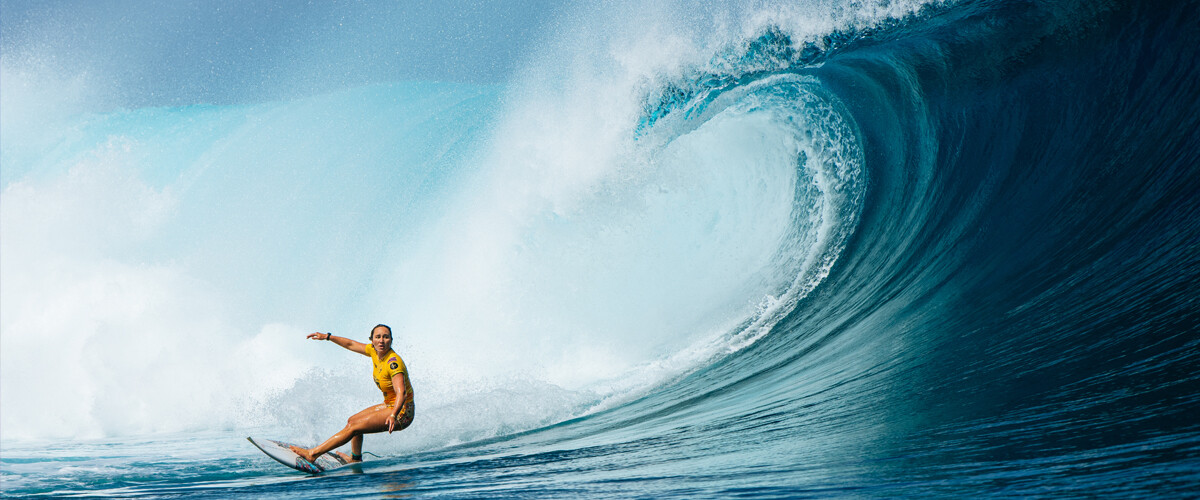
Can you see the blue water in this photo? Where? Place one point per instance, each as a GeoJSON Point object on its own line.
{"type": "Point", "coordinates": [806, 250]}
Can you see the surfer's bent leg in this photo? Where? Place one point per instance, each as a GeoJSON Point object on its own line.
{"type": "Point", "coordinates": [356, 448]}
{"type": "Point", "coordinates": [370, 420]}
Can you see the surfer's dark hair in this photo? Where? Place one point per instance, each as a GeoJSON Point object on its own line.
{"type": "Point", "coordinates": [377, 326]}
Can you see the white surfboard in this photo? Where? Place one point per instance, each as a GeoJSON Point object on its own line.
{"type": "Point", "coordinates": [280, 452]}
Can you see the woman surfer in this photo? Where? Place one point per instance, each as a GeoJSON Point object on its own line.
{"type": "Point", "coordinates": [392, 378]}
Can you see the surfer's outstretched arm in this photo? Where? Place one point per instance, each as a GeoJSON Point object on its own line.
{"type": "Point", "coordinates": [350, 345]}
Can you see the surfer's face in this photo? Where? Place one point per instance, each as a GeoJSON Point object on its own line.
{"type": "Point", "coordinates": [381, 338]}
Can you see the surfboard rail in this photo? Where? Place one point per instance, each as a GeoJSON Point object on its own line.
{"type": "Point", "coordinates": [280, 451]}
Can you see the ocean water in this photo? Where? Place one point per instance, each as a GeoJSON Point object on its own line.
{"type": "Point", "coordinates": [748, 249]}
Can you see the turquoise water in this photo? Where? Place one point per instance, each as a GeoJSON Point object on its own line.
{"type": "Point", "coordinates": [799, 250]}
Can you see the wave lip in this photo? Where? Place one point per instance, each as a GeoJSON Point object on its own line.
{"type": "Point", "coordinates": [829, 185]}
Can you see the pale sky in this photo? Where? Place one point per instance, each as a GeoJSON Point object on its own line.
{"type": "Point", "coordinates": [230, 51]}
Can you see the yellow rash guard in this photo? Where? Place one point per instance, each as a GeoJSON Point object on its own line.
{"type": "Point", "coordinates": [384, 370]}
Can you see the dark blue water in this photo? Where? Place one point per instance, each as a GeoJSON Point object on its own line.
{"type": "Point", "coordinates": [1013, 314]}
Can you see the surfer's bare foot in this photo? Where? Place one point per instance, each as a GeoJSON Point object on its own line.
{"type": "Point", "coordinates": [346, 457]}
{"type": "Point", "coordinates": [305, 454]}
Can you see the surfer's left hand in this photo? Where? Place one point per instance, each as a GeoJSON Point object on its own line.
{"type": "Point", "coordinates": [391, 421]}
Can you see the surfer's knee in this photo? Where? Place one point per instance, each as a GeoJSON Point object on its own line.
{"type": "Point", "coordinates": [356, 425]}
{"type": "Point", "coordinates": [355, 422]}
